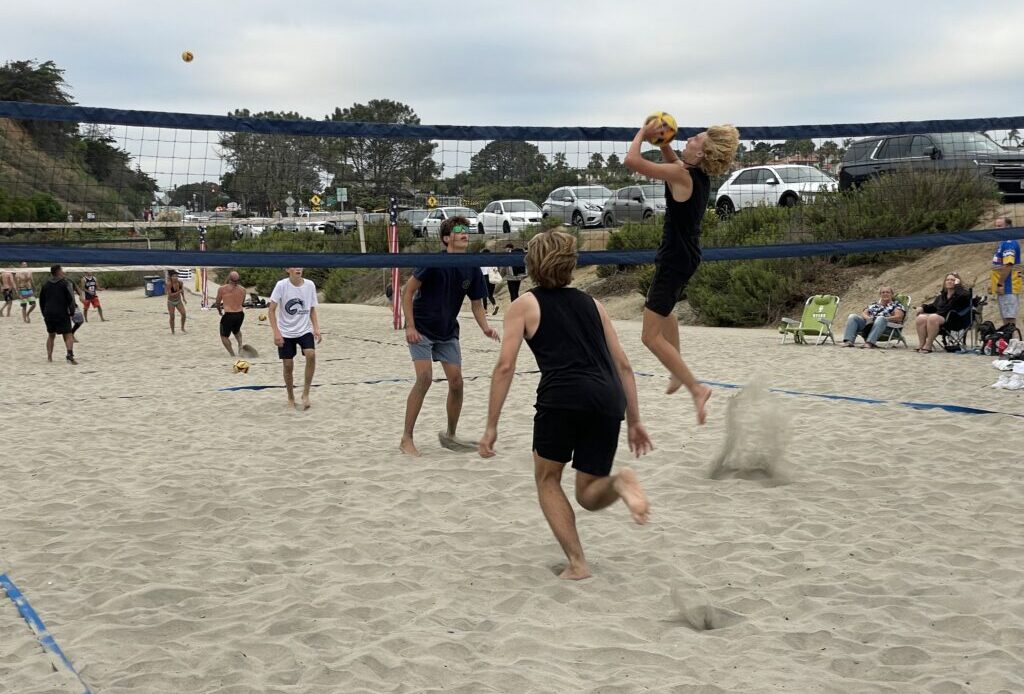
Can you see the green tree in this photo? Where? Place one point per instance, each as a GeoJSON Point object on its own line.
{"type": "Point", "coordinates": [265, 169]}
{"type": "Point", "coordinates": [372, 168]}
{"type": "Point", "coordinates": [41, 83]}
{"type": "Point", "coordinates": [507, 161]}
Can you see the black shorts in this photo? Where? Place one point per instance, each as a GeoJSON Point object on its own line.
{"type": "Point", "coordinates": [303, 342]}
{"type": "Point", "coordinates": [8, 295]}
{"type": "Point", "coordinates": [60, 325]}
{"type": "Point", "coordinates": [589, 440]}
{"type": "Point", "coordinates": [669, 282]}
{"type": "Point", "coordinates": [231, 323]}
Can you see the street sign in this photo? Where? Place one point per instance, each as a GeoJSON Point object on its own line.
{"type": "Point", "coordinates": [431, 201]}
{"type": "Point", "coordinates": [330, 200]}
{"type": "Point", "coordinates": [342, 194]}
{"type": "Point", "coordinates": [290, 210]}
{"type": "Point", "coordinates": [289, 200]}
{"type": "Point", "coordinates": [314, 200]}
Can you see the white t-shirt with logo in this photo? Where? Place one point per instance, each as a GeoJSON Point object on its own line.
{"type": "Point", "coordinates": [293, 305]}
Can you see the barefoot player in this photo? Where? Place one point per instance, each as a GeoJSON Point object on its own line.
{"type": "Point", "coordinates": [229, 304]}
{"type": "Point", "coordinates": [586, 385]}
{"type": "Point", "coordinates": [431, 300]}
{"type": "Point", "coordinates": [293, 318]}
{"type": "Point", "coordinates": [687, 187]}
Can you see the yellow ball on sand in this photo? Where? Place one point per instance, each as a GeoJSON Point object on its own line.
{"type": "Point", "coordinates": [187, 56]}
{"type": "Point", "coordinates": [241, 366]}
{"type": "Point", "coordinates": [669, 128]}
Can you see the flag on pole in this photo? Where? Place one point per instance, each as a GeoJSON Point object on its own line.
{"type": "Point", "coordinates": [202, 271]}
{"type": "Point", "coordinates": [396, 292]}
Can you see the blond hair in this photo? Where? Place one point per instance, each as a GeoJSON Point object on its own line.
{"type": "Point", "coordinates": [719, 149]}
{"type": "Point", "coordinates": [551, 258]}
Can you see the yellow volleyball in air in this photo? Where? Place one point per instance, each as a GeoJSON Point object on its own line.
{"type": "Point", "coordinates": [241, 366]}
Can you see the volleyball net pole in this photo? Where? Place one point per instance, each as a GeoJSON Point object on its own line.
{"type": "Point", "coordinates": [396, 293]}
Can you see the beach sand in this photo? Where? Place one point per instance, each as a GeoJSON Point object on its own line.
{"type": "Point", "coordinates": [177, 537]}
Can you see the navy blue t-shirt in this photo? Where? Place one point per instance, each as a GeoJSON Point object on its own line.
{"type": "Point", "coordinates": [436, 305]}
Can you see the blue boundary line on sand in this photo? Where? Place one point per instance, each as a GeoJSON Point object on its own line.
{"type": "Point", "coordinates": [945, 407]}
{"type": "Point", "coordinates": [39, 629]}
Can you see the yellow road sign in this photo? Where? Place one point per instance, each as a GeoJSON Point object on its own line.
{"type": "Point", "coordinates": [431, 201]}
{"type": "Point", "coordinates": [315, 200]}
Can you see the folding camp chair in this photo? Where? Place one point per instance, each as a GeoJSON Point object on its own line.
{"type": "Point", "coordinates": [816, 321]}
{"type": "Point", "coordinates": [893, 333]}
{"type": "Point", "coordinates": [959, 332]}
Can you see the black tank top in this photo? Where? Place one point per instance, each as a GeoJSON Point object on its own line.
{"type": "Point", "coordinates": [681, 237]}
{"type": "Point", "coordinates": [577, 372]}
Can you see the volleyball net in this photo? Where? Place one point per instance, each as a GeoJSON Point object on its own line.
{"type": "Point", "coordinates": [98, 186]}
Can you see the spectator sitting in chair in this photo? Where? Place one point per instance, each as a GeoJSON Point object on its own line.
{"type": "Point", "coordinates": [872, 321]}
{"type": "Point", "coordinates": [945, 310]}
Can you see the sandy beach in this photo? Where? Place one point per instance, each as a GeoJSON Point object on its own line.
{"type": "Point", "coordinates": [178, 537]}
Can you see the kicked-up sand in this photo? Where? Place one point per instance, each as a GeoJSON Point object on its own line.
{"type": "Point", "coordinates": [179, 537]}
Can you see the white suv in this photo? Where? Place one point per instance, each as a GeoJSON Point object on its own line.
{"type": "Point", "coordinates": [784, 185]}
{"type": "Point", "coordinates": [432, 222]}
{"type": "Point", "coordinates": [506, 216]}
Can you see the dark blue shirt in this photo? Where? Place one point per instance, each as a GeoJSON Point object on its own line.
{"type": "Point", "coordinates": [435, 308]}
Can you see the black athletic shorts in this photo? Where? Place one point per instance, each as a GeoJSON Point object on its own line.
{"type": "Point", "coordinates": [61, 325]}
{"type": "Point", "coordinates": [8, 295]}
{"type": "Point", "coordinates": [589, 440]}
{"type": "Point", "coordinates": [669, 282]}
{"type": "Point", "coordinates": [231, 323]}
{"type": "Point", "coordinates": [303, 342]}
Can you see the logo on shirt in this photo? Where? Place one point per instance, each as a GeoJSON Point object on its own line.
{"type": "Point", "coordinates": [293, 306]}
{"type": "Point", "coordinates": [465, 285]}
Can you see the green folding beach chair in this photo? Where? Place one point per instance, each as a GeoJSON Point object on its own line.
{"type": "Point", "coordinates": [893, 333]}
{"type": "Point", "coordinates": [816, 321]}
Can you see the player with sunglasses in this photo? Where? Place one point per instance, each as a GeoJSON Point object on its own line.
{"type": "Point", "coordinates": [431, 301]}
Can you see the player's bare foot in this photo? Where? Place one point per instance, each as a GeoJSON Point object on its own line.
{"type": "Point", "coordinates": [409, 448]}
{"type": "Point", "coordinates": [575, 572]}
{"type": "Point", "coordinates": [674, 384]}
{"type": "Point", "coordinates": [306, 404]}
{"type": "Point", "coordinates": [632, 494]}
{"type": "Point", "coordinates": [454, 443]}
{"type": "Point", "coordinates": [291, 403]}
{"type": "Point", "coordinates": [700, 398]}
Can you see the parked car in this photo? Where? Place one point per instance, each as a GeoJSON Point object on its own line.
{"type": "Point", "coordinates": [634, 204]}
{"type": "Point", "coordinates": [415, 219]}
{"type": "Point", "coordinates": [784, 185]}
{"type": "Point", "coordinates": [432, 222]}
{"type": "Point", "coordinates": [582, 206]}
{"type": "Point", "coordinates": [506, 216]}
{"type": "Point", "coordinates": [874, 156]}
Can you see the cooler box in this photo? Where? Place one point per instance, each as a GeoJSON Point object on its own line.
{"type": "Point", "coordinates": [154, 285]}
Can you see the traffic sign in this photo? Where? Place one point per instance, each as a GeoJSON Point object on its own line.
{"type": "Point", "coordinates": [289, 200]}
{"type": "Point", "coordinates": [431, 201]}
{"type": "Point", "coordinates": [315, 200]}
{"type": "Point", "coordinates": [342, 194]}
{"type": "Point", "coordinates": [330, 200]}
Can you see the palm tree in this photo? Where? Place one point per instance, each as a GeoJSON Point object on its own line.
{"type": "Point", "coordinates": [1013, 137]}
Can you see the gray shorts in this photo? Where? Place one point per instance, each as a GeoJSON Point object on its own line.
{"type": "Point", "coordinates": [447, 351]}
{"type": "Point", "coordinates": [1009, 304]}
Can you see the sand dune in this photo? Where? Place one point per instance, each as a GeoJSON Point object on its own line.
{"type": "Point", "coordinates": [177, 537]}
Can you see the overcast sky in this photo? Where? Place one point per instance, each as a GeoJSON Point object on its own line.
{"type": "Point", "coordinates": [527, 62]}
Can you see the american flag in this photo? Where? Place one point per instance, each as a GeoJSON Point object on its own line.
{"type": "Point", "coordinates": [393, 209]}
{"type": "Point", "coordinates": [396, 301]}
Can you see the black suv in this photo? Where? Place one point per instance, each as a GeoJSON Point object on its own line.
{"type": "Point", "coordinates": [873, 156]}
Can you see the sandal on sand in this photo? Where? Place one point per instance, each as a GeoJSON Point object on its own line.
{"type": "Point", "coordinates": [847, 344]}
{"type": "Point", "coordinates": [923, 351]}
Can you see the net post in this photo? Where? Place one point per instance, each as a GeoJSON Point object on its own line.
{"type": "Point", "coordinates": [396, 302]}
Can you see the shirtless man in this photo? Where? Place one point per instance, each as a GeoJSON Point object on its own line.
{"type": "Point", "coordinates": [229, 304]}
{"type": "Point", "coordinates": [175, 298]}
{"type": "Point", "coordinates": [7, 283]}
{"type": "Point", "coordinates": [26, 293]}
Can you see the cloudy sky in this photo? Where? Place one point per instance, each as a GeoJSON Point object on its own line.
{"type": "Point", "coordinates": [568, 62]}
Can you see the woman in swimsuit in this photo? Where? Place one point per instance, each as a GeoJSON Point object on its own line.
{"type": "Point", "coordinates": [175, 298]}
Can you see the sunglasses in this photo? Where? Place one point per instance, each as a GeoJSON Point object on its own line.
{"type": "Point", "coordinates": [460, 229]}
